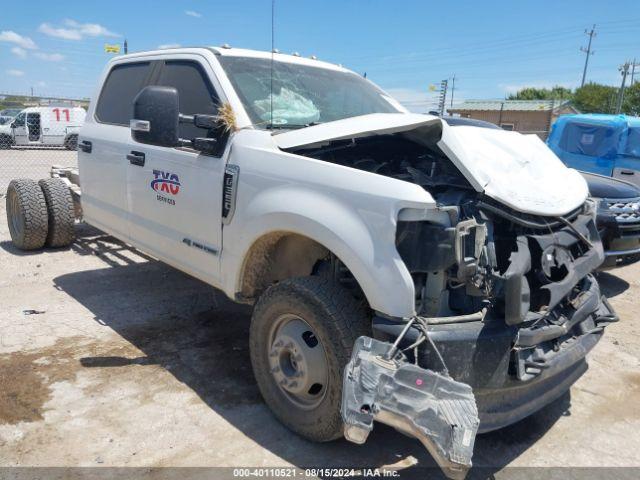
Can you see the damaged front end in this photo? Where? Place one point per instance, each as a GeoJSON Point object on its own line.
{"type": "Point", "coordinates": [509, 309]}
{"type": "Point", "coordinates": [506, 304]}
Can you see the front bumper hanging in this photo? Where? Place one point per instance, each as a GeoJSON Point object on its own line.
{"type": "Point", "coordinates": [431, 407]}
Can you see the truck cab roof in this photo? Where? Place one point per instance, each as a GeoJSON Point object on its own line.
{"type": "Point", "coordinates": [237, 52]}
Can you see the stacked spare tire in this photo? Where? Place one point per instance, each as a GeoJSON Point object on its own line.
{"type": "Point", "coordinates": [40, 213]}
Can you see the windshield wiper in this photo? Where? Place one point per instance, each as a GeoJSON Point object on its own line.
{"type": "Point", "coordinates": [291, 126]}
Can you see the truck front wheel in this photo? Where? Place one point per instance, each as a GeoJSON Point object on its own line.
{"type": "Point", "coordinates": [302, 334]}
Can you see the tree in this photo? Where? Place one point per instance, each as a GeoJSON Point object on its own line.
{"type": "Point", "coordinates": [631, 104]}
{"type": "Point", "coordinates": [532, 93]}
{"type": "Point", "coordinates": [595, 98]}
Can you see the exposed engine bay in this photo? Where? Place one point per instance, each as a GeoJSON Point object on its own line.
{"type": "Point", "coordinates": [520, 267]}
{"type": "Point", "coordinates": [520, 284]}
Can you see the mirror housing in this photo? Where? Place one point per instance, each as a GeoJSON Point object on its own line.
{"type": "Point", "coordinates": [156, 116]}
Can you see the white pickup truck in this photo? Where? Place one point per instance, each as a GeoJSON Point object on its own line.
{"type": "Point", "coordinates": [435, 278]}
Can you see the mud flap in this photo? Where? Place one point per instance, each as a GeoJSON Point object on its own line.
{"type": "Point", "coordinates": [421, 403]}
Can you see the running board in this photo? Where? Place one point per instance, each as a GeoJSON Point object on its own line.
{"type": "Point", "coordinates": [433, 408]}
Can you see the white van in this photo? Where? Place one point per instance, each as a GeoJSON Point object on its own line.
{"type": "Point", "coordinates": [39, 126]}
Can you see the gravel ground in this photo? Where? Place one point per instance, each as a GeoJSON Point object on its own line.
{"type": "Point", "coordinates": [32, 163]}
{"type": "Point", "coordinates": [110, 358]}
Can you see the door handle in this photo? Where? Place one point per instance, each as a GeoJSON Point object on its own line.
{"type": "Point", "coordinates": [136, 158]}
{"type": "Point", "coordinates": [85, 146]}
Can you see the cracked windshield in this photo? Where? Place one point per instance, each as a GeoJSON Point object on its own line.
{"type": "Point", "coordinates": [302, 95]}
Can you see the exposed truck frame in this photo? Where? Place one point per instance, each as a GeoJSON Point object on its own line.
{"type": "Point", "coordinates": [434, 278]}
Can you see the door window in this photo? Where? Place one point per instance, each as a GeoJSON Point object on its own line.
{"type": "Point", "coordinates": [195, 92]}
{"type": "Point", "coordinates": [19, 121]}
{"type": "Point", "coordinates": [124, 82]}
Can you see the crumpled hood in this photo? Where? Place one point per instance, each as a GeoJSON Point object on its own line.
{"type": "Point", "coordinates": [517, 170]}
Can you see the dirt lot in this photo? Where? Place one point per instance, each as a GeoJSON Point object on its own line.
{"type": "Point", "coordinates": [109, 358]}
{"type": "Point", "coordinates": [32, 163]}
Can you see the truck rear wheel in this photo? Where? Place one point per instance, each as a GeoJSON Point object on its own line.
{"type": "Point", "coordinates": [60, 210]}
{"type": "Point", "coordinates": [302, 334]}
{"type": "Point", "coordinates": [26, 214]}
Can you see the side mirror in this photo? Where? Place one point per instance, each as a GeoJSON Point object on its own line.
{"type": "Point", "coordinates": [156, 116]}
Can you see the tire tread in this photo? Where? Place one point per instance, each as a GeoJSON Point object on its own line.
{"type": "Point", "coordinates": [33, 209]}
{"type": "Point", "coordinates": [61, 214]}
{"type": "Point", "coordinates": [343, 315]}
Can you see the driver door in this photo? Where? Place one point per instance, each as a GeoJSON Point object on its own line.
{"type": "Point", "coordinates": [175, 194]}
{"type": "Point", "coordinates": [19, 126]}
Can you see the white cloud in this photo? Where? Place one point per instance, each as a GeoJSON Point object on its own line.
{"type": "Point", "coordinates": [421, 101]}
{"type": "Point", "coordinates": [15, 73]}
{"type": "Point", "coordinates": [76, 31]}
{"type": "Point", "coordinates": [414, 100]}
{"type": "Point", "coordinates": [41, 84]}
{"type": "Point", "coordinates": [49, 57]}
{"type": "Point", "coordinates": [169, 45]}
{"type": "Point", "coordinates": [66, 33]}
{"type": "Point", "coordinates": [191, 13]}
{"type": "Point", "coordinates": [19, 52]}
{"type": "Point", "coordinates": [12, 37]}
{"type": "Point", "coordinates": [91, 29]}
{"type": "Point", "coordinates": [409, 94]}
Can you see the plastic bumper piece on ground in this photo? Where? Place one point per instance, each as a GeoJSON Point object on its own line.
{"type": "Point", "coordinates": [433, 408]}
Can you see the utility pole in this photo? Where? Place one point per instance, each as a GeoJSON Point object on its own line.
{"type": "Point", "coordinates": [443, 97]}
{"type": "Point", "coordinates": [633, 71]}
{"type": "Point", "coordinates": [588, 51]}
{"type": "Point", "coordinates": [552, 106]}
{"type": "Point", "coordinates": [126, 47]}
{"type": "Point", "coordinates": [453, 88]}
{"type": "Point", "coordinates": [624, 69]}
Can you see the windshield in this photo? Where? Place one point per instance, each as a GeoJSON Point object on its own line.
{"type": "Point", "coordinates": [302, 95]}
{"type": "Point", "coordinates": [591, 140]}
{"type": "Point", "coordinates": [19, 121]}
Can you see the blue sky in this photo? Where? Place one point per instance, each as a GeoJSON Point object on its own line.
{"type": "Point", "coordinates": [493, 47]}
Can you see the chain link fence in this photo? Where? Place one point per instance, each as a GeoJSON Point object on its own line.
{"type": "Point", "coordinates": [37, 133]}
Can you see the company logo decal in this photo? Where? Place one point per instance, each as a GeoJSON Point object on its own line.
{"type": "Point", "coordinates": [165, 182]}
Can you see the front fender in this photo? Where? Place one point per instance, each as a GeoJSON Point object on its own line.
{"type": "Point", "coordinates": [350, 212]}
{"type": "Point", "coordinates": [372, 259]}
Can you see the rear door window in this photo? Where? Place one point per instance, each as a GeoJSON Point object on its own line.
{"type": "Point", "coordinates": [195, 92]}
{"type": "Point", "coordinates": [124, 82]}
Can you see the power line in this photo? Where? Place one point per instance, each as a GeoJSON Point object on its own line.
{"type": "Point", "coordinates": [588, 51]}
